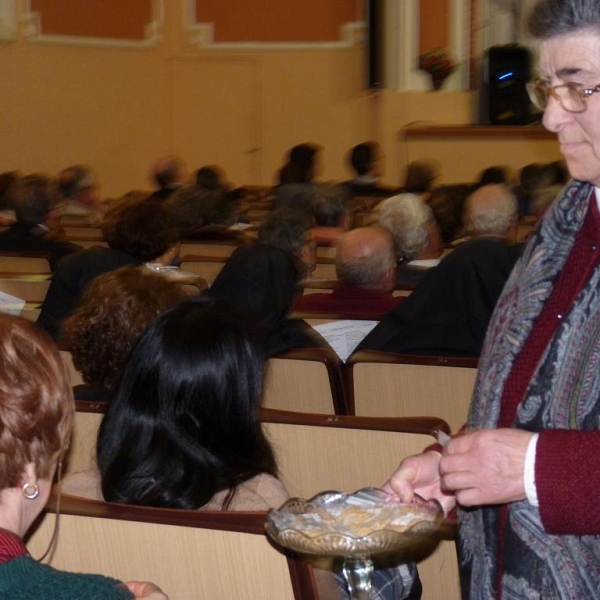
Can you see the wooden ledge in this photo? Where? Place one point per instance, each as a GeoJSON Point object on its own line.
{"type": "Point", "coordinates": [526, 132]}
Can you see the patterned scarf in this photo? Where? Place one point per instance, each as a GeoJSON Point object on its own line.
{"type": "Point", "coordinates": [562, 394]}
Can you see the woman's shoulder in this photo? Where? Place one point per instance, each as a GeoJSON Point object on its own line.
{"type": "Point", "coordinates": [85, 484]}
{"type": "Point", "coordinates": [262, 492]}
{"type": "Point", "coordinates": [23, 578]}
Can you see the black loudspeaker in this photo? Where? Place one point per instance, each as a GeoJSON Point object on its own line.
{"type": "Point", "coordinates": [375, 46]}
{"type": "Point", "coordinates": [504, 98]}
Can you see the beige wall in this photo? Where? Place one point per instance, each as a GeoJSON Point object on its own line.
{"type": "Point", "coordinates": [118, 108]}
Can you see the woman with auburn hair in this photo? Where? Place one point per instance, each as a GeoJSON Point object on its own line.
{"type": "Point", "coordinates": [36, 417]}
{"type": "Point", "coordinates": [115, 308]}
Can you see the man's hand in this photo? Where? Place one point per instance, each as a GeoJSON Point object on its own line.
{"type": "Point", "coordinates": [419, 474]}
{"type": "Point", "coordinates": [486, 467]}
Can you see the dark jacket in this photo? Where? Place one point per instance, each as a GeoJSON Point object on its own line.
{"type": "Point", "coordinates": [27, 238]}
{"type": "Point", "coordinates": [259, 282]}
{"type": "Point", "coordinates": [449, 312]}
{"type": "Point", "coordinates": [68, 282]}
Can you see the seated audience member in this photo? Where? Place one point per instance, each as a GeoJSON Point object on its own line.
{"type": "Point", "coordinates": [417, 236]}
{"type": "Point", "coordinates": [449, 312]}
{"type": "Point", "coordinates": [447, 203]}
{"type": "Point", "coordinates": [261, 281]}
{"type": "Point", "coordinates": [556, 176]}
{"type": "Point", "coordinates": [36, 417]}
{"type": "Point", "coordinates": [294, 196]}
{"type": "Point", "coordinates": [366, 160]}
{"type": "Point", "coordinates": [190, 397]}
{"type": "Point", "coordinates": [532, 178]}
{"type": "Point", "coordinates": [365, 264]}
{"type": "Point", "coordinates": [332, 213]}
{"type": "Point", "coordinates": [289, 230]}
{"type": "Point", "coordinates": [114, 310]}
{"type": "Point", "coordinates": [494, 175]}
{"type": "Point", "coordinates": [421, 176]}
{"type": "Point", "coordinates": [200, 214]}
{"type": "Point", "coordinates": [301, 166]}
{"type": "Point", "coordinates": [490, 210]}
{"type": "Point", "coordinates": [7, 213]}
{"type": "Point", "coordinates": [209, 179]}
{"type": "Point", "coordinates": [168, 173]}
{"type": "Point", "coordinates": [81, 192]}
{"type": "Point", "coordinates": [34, 199]}
{"type": "Point", "coordinates": [136, 233]}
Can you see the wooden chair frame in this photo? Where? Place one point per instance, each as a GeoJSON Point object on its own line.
{"type": "Point", "coordinates": [333, 365]}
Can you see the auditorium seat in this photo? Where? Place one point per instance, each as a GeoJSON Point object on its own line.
{"type": "Point", "coordinates": [384, 384]}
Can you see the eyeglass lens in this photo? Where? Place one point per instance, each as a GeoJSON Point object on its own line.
{"type": "Point", "coordinates": [568, 96]}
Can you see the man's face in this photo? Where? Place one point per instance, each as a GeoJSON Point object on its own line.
{"type": "Point", "coordinates": [575, 58]}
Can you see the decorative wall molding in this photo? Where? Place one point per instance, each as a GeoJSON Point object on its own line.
{"type": "Point", "coordinates": [402, 50]}
{"type": "Point", "coordinates": [8, 21]}
{"type": "Point", "coordinates": [201, 36]}
{"type": "Point", "coordinates": [30, 28]}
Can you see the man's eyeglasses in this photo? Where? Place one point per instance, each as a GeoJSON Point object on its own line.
{"type": "Point", "coordinates": [571, 96]}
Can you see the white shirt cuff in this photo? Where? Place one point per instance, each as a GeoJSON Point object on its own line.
{"type": "Point", "coordinates": [529, 472]}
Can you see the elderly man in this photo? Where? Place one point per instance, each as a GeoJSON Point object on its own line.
{"type": "Point", "coordinates": [366, 268]}
{"type": "Point", "coordinates": [34, 199]}
{"type": "Point", "coordinates": [449, 312]}
{"type": "Point", "coordinates": [490, 210]}
{"type": "Point", "coordinates": [417, 234]}
{"type": "Point", "coordinates": [523, 475]}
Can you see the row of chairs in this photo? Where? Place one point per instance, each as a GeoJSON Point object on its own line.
{"type": "Point", "coordinates": [197, 554]}
{"type": "Point", "coordinates": [370, 384]}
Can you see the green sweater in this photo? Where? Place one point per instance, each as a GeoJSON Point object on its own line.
{"type": "Point", "coordinates": [23, 578]}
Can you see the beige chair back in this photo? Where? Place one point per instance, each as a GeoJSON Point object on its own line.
{"type": "Point", "coordinates": [25, 263]}
{"type": "Point", "coordinates": [74, 375]}
{"type": "Point", "coordinates": [305, 380]}
{"type": "Point", "coordinates": [318, 452]}
{"type": "Point", "coordinates": [393, 385]}
{"type": "Point", "coordinates": [325, 452]}
{"type": "Point", "coordinates": [32, 288]}
{"type": "Point", "coordinates": [189, 554]}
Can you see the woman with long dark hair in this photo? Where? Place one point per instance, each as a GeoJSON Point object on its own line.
{"type": "Point", "coordinates": [189, 397]}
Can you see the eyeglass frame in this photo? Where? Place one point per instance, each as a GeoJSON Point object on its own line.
{"type": "Point", "coordinates": [583, 93]}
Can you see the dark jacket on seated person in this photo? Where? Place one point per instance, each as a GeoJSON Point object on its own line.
{"type": "Point", "coordinates": [73, 274]}
{"type": "Point", "coordinates": [27, 238]}
{"type": "Point", "coordinates": [449, 312]}
{"type": "Point", "coordinates": [260, 282]}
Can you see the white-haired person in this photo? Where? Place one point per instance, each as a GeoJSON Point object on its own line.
{"type": "Point", "coordinates": [523, 474]}
{"type": "Point", "coordinates": [417, 234]}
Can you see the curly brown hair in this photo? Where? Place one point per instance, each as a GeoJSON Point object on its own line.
{"type": "Point", "coordinates": [114, 310]}
{"type": "Point", "coordinates": [36, 401]}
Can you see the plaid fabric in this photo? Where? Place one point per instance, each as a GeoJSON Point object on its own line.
{"type": "Point", "coordinates": [399, 583]}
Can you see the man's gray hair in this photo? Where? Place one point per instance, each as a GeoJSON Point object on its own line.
{"type": "Point", "coordinates": [407, 218]}
{"type": "Point", "coordinates": [550, 18]}
{"type": "Point", "coordinates": [490, 210]}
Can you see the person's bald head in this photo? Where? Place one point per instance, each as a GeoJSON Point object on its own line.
{"type": "Point", "coordinates": [366, 258]}
{"type": "Point", "coordinates": [491, 210]}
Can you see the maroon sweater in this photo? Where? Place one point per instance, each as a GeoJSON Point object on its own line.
{"type": "Point", "coordinates": [350, 300]}
{"type": "Point", "coordinates": [554, 494]}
